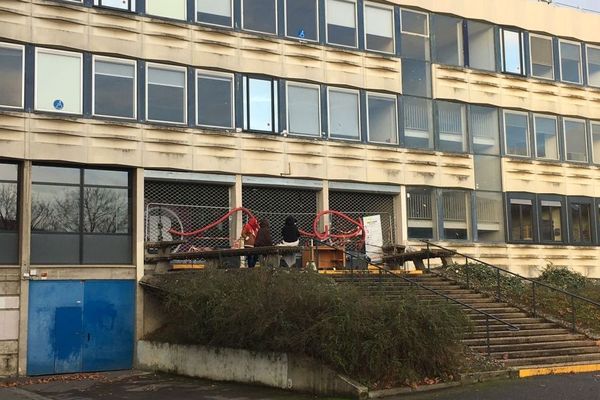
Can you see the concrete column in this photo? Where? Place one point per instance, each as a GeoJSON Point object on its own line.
{"type": "Point", "coordinates": [236, 222]}
{"type": "Point", "coordinates": [401, 216]}
{"type": "Point", "coordinates": [138, 250]}
{"type": "Point", "coordinates": [24, 257]}
{"type": "Point", "coordinates": [323, 204]}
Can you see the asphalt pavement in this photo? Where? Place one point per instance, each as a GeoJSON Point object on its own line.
{"type": "Point", "coordinates": [134, 385]}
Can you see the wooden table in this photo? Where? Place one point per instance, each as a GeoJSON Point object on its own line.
{"type": "Point", "coordinates": [324, 257]}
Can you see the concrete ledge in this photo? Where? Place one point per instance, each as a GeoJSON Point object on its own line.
{"type": "Point", "coordinates": [279, 370]}
{"type": "Point", "coordinates": [558, 369]}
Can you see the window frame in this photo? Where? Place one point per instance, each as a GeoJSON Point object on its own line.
{"type": "Point", "coordinates": [563, 217]}
{"type": "Point", "coordinates": [494, 45]}
{"type": "Point", "coordinates": [523, 197]}
{"type": "Point", "coordinates": [130, 6]}
{"type": "Point", "coordinates": [47, 50]}
{"type": "Point", "coordinates": [591, 124]}
{"type": "Point", "coordinates": [587, 64]}
{"type": "Point", "coordinates": [287, 108]}
{"type": "Point", "coordinates": [358, 114]}
{"type": "Point", "coordinates": [22, 48]}
{"type": "Point", "coordinates": [355, 2]}
{"type": "Point", "coordinates": [582, 200]}
{"type": "Point", "coordinates": [388, 96]}
{"type": "Point", "coordinates": [185, 91]}
{"type": "Point", "coordinates": [521, 51]}
{"type": "Point", "coordinates": [556, 135]}
{"type": "Point", "coordinates": [534, 35]}
{"type": "Point", "coordinates": [428, 34]}
{"type": "Point", "coordinates": [460, 40]}
{"type": "Point", "coordinates": [285, 24]}
{"type": "Point", "coordinates": [561, 41]}
{"type": "Point", "coordinates": [276, 33]}
{"type": "Point", "coordinates": [218, 75]}
{"type": "Point", "coordinates": [383, 7]}
{"type": "Point", "coordinates": [471, 134]}
{"type": "Point", "coordinates": [476, 220]}
{"type": "Point", "coordinates": [468, 203]}
{"type": "Point", "coordinates": [585, 136]}
{"type": "Point", "coordinates": [211, 24]}
{"type": "Point", "coordinates": [275, 122]}
{"type": "Point", "coordinates": [528, 141]}
{"type": "Point", "coordinates": [434, 219]}
{"type": "Point", "coordinates": [135, 85]}
{"type": "Point", "coordinates": [18, 216]}
{"type": "Point", "coordinates": [464, 127]}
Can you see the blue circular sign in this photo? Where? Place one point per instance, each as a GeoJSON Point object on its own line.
{"type": "Point", "coordinates": [59, 104]}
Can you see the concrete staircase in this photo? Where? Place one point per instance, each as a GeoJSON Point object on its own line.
{"type": "Point", "coordinates": [538, 343]}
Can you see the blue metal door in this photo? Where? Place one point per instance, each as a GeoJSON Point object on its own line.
{"type": "Point", "coordinates": [108, 321]}
{"type": "Point", "coordinates": [79, 326]}
{"type": "Point", "coordinates": [54, 333]}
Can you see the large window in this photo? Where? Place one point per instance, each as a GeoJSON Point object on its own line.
{"type": "Point", "coordinates": [12, 82]}
{"type": "Point", "coordinates": [259, 15]}
{"type": "Point", "coordinates": [451, 124]}
{"type": "Point", "coordinates": [580, 221]}
{"type": "Point", "coordinates": [80, 216]}
{"type": "Point", "coordinates": [260, 105]}
{"type": "Point", "coordinates": [418, 123]}
{"type": "Point", "coordinates": [575, 140]}
{"type": "Point", "coordinates": [542, 56]}
{"type": "Point", "coordinates": [490, 217]}
{"type": "Point", "coordinates": [304, 109]}
{"type": "Point", "coordinates": [176, 9]}
{"type": "Point", "coordinates": [455, 217]}
{"type": "Point", "coordinates": [595, 129]}
{"type": "Point", "coordinates": [551, 226]}
{"type": "Point", "coordinates": [593, 65]}
{"type": "Point", "coordinates": [302, 19]}
{"type": "Point", "coordinates": [341, 22]}
{"type": "Point", "coordinates": [521, 219]}
{"type": "Point", "coordinates": [215, 12]}
{"type": "Point", "coordinates": [9, 224]}
{"type": "Point", "coordinates": [379, 28]}
{"type": "Point", "coordinates": [214, 104]}
{"type": "Point", "coordinates": [516, 133]}
{"type": "Point", "coordinates": [484, 131]}
{"type": "Point", "coordinates": [546, 137]}
{"type": "Point", "coordinates": [58, 81]}
{"type": "Point", "coordinates": [416, 78]}
{"type": "Point", "coordinates": [415, 34]}
{"type": "Point", "coordinates": [382, 114]}
{"type": "Point", "coordinates": [481, 41]}
{"type": "Point", "coordinates": [114, 87]}
{"type": "Point", "coordinates": [512, 52]}
{"type": "Point", "coordinates": [421, 212]}
{"type": "Point", "coordinates": [344, 114]}
{"type": "Point", "coordinates": [128, 5]}
{"type": "Point", "coordinates": [570, 62]}
{"type": "Point", "coordinates": [447, 35]}
{"type": "Point", "coordinates": [166, 94]}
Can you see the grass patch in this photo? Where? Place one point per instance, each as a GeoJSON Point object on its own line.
{"type": "Point", "coordinates": [377, 341]}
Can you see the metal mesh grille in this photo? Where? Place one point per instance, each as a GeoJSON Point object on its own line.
{"type": "Point", "coordinates": [358, 205]}
{"type": "Point", "coordinates": [186, 206]}
{"type": "Point", "coordinates": [276, 204]}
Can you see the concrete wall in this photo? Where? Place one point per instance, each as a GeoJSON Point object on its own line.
{"type": "Point", "coordinates": [277, 370]}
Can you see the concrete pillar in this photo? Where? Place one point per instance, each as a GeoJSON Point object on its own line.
{"type": "Point", "coordinates": [323, 204]}
{"type": "Point", "coordinates": [401, 216]}
{"type": "Point", "coordinates": [236, 222]}
{"type": "Point", "coordinates": [24, 257]}
{"type": "Point", "coordinates": [138, 241]}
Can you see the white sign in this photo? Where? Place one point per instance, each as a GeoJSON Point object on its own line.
{"type": "Point", "coordinates": [373, 237]}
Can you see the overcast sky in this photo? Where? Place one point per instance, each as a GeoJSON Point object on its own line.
{"type": "Point", "coordinates": [589, 4]}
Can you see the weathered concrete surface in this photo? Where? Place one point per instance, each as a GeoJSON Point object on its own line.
{"type": "Point", "coordinates": [277, 370]}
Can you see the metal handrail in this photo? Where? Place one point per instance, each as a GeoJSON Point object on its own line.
{"type": "Point", "coordinates": [571, 295]}
{"type": "Point", "coordinates": [381, 269]}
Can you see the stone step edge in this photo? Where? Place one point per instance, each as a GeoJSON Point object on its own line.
{"type": "Point", "coordinates": [555, 369]}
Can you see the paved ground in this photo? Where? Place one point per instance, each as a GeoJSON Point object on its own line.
{"type": "Point", "coordinates": [140, 386]}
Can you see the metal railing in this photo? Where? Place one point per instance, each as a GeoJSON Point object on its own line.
{"type": "Point", "coordinates": [535, 284]}
{"type": "Point", "coordinates": [382, 270]}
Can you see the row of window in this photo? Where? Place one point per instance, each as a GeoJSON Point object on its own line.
{"type": "Point", "coordinates": [454, 41]}
{"type": "Point", "coordinates": [78, 216]}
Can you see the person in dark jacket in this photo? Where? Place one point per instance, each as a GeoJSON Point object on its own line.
{"type": "Point", "coordinates": [291, 237]}
{"type": "Point", "coordinates": [263, 239]}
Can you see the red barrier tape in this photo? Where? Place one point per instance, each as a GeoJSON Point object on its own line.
{"type": "Point", "coordinates": [217, 222]}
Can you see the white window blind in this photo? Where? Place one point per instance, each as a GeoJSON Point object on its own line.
{"type": "Point", "coordinates": [58, 82]}
{"type": "Point", "coordinates": [379, 21]}
{"type": "Point", "coordinates": [215, 7]}
{"type": "Point", "coordinates": [175, 9]}
{"type": "Point", "coordinates": [341, 13]}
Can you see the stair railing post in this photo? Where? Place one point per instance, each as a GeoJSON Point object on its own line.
{"type": "Point", "coordinates": [533, 299]}
{"type": "Point", "coordinates": [487, 330]}
{"type": "Point", "coordinates": [573, 314]}
{"type": "Point", "coordinates": [498, 284]}
{"type": "Point", "coordinates": [467, 272]}
{"type": "Point", "coordinates": [428, 258]}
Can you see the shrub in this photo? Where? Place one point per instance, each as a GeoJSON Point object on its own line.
{"type": "Point", "coordinates": [376, 341]}
{"type": "Point", "coordinates": [563, 278]}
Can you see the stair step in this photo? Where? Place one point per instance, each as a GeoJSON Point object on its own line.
{"type": "Point", "coordinates": [514, 321]}
{"type": "Point", "coordinates": [503, 316]}
{"type": "Point", "coordinates": [502, 327]}
{"type": "Point", "coordinates": [519, 362]}
{"type": "Point", "coordinates": [511, 355]}
{"type": "Point", "coordinates": [565, 344]}
{"type": "Point", "coordinates": [509, 333]}
{"type": "Point", "coordinates": [524, 339]}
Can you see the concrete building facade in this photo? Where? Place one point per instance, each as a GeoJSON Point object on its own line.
{"type": "Point", "coordinates": [472, 123]}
